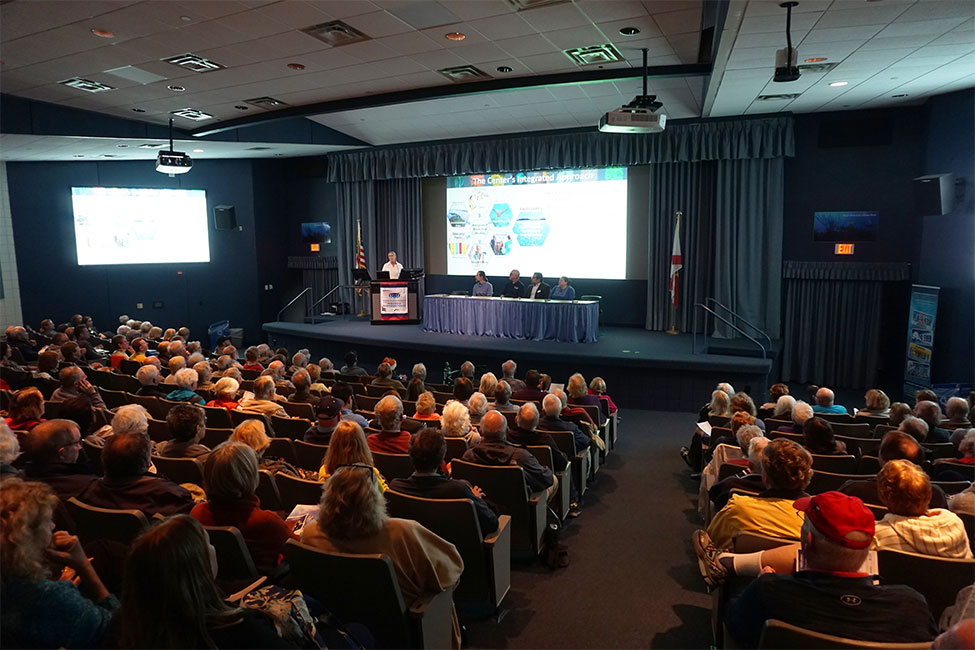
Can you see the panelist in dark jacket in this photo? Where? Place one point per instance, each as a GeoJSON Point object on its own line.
{"type": "Point", "coordinates": [514, 288]}
{"type": "Point", "coordinates": [427, 451]}
{"type": "Point", "coordinates": [538, 289]}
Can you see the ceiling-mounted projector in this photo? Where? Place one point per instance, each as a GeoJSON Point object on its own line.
{"type": "Point", "coordinates": [639, 116]}
{"type": "Point", "coordinates": [173, 162]}
{"type": "Point", "coordinates": [786, 58]}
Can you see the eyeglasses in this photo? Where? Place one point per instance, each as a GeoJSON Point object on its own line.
{"type": "Point", "coordinates": [369, 468]}
{"type": "Point", "coordinates": [75, 443]}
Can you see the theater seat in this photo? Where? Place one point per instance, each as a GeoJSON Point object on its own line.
{"type": "Point", "coordinates": [826, 481]}
{"type": "Point", "coordinates": [784, 636]}
{"type": "Point", "coordinates": [93, 523]}
{"type": "Point", "coordinates": [293, 491]}
{"type": "Point", "coordinates": [363, 589]}
{"type": "Point", "coordinates": [180, 470]}
{"type": "Point", "coordinates": [234, 561]}
{"type": "Point", "coordinates": [309, 455]}
{"type": "Point", "coordinates": [393, 465]}
{"type": "Point", "coordinates": [560, 501]}
{"type": "Point", "coordinates": [938, 579]}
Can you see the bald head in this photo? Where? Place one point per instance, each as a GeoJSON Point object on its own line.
{"type": "Point", "coordinates": [824, 397]}
{"type": "Point", "coordinates": [494, 426]}
{"type": "Point", "coordinates": [552, 405]}
{"type": "Point", "coordinates": [70, 376]}
{"type": "Point", "coordinates": [528, 416]}
{"type": "Point", "coordinates": [55, 441]}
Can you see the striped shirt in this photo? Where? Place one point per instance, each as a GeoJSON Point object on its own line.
{"type": "Point", "coordinates": [937, 532]}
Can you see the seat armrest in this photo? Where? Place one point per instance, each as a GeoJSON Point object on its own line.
{"type": "Point", "coordinates": [504, 521]}
{"type": "Point", "coordinates": [434, 616]}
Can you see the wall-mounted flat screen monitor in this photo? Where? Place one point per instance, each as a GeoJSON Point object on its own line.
{"type": "Point", "coordinates": [140, 225]}
{"type": "Point", "coordinates": [318, 232]}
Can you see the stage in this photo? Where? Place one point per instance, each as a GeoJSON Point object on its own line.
{"type": "Point", "coordinates": [648, 370]}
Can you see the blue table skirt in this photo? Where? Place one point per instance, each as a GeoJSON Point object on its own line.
{"type": "Point", "coordinates": [538, 320]}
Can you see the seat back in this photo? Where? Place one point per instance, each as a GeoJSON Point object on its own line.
{"type": "Point", "coordinates": [46, 386]}
{"type": "Point", "coordinates": [300, 410]}
{"type": "Point", "coordinates": [871, 420]}
{"type": "Point", "coordinates": [293, 491]}
{"type": "Point", "coordinates": [777, 634]}
{"type": "Point", "coordinates": [234, 561]}
{"type": "Point", "coordinates": [455, 520]}
{"type": "Point", "coordinates": [282, 448]}
{"type": "Point", "coordinates": [147, 402]}
{"type": "Point", "coordinates": [868, 465]}
{"type": "Point", "coordinates": [851, 429]}
{"type": "Point", "coordinates": [880, 430]}
{"type": "Point", "coordinates": [289, 427]}
{"type": "Point", "coordinates": [51, 410]}
{"type": "Point", "coordinates": [508, 490]}
{"type": "Point", "coordinates": [356, 588]}
{"type": "Point", "coordinates": [794, 437]}
{"type": "Point", "coordinates": [750, 542]}
{"type": "Point", "coordinates": [249, 374]}
{"type": "Point", "coordinates": [129, 367]}
{"type": "Point", "coordinates": [163, 407]}
{"type": "Point", "coordinates": [93, 523]}
{"type": "Point", "coordinates": [267, 491]}
{"type": "Point", "coordinates": [938, 579]}
{"type": "Point", "coordinates": [94, 453]}
{"type": "Point", "coordinates": [969, 521]}
{"type": "Point", "coordinates": [727, 470]}
{"type": "Point", "coordinates": [952, 487]}
{"type": "Point", "coordinates": [113, 398]}
{"type": "Point", "coordinates": [860, 446]}
{"type": "Point", "coordinates": [719, 420]}
{"type": "Point", "coordinates": [180, 470]}
{"type": "Point", "coordinates": [826, 481]}
{"type": "Point", "coordinates": [772, 424]}
{"type": "Point", "coordinates": [393, 465]}
{"type": "Point", "coordinates": [366, 402]}
{"type": "Point", "coordinates": [442, 398]}
{"type": "Point", "coordinates": [456, 448]}
{"type": "Point", "coordinates": [835, 463]}
{"type": "Point", "coordinates": [542, 453]}
{"type": "Point", "coordinates": [159, 430]}
{"type": "Point", "coordinates": [214, 437]}
{"type": "Point", "coordinates": [566, 443]}
{"type": "Point", "coordinates": [308, 455]}
{"type": "Point", "coordinates": [218, 417]}
{"type": "Point", "coordinates": [842, 418]}
{"type": "Point", "coordinates": [237, 417]}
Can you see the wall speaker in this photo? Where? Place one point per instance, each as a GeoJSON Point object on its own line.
{"type": "Point", "coordinates": [224, 217]}
{"type": "Point", "coordinates": [934, 194]}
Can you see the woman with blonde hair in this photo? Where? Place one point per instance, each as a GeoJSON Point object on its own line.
{"type": "Point", "coordinates": [348, 447]}
{"type": "Point", "coordinates": [352, 519]}
{"type": "Point", "coordinates": [26, 409]}
{"type": "Point", "coordinates": [426, 407]}
{"type": "Point", "coordinates": [252, 433]}
{"type": "Point", "coordinates": [169, 334]}
{"type": "Point", "coordinates": [489, 382]}
{"type": "Point", "coordinates": [579, 395]}
{"type": "Point", "coordinates": [877, 403]}
{"type": "Point", "coordinates": [910, 525]}
{"type": "Point", "coordinates": [29, 549]}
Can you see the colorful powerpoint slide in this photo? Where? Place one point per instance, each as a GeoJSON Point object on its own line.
{"type": "Point", "coordinates": [568, 222]}
{"type": "Point", "coordinates": [124, 225]}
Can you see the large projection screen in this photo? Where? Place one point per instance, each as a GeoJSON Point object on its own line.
{"type": "Point", "coordinates": [560, 222]}
{"type": "Point", "coordinates": [134, 225]}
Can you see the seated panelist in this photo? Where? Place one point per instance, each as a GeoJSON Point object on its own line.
{"type": "Point", "coordinates": [564, 290]}
{"type": "Point", "coordinates": [481, 285]}
{"type": "Point", "coordinates": [538, 289]}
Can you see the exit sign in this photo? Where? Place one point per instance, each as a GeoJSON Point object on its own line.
{"type": "Point", "coordinates": [843, 249]}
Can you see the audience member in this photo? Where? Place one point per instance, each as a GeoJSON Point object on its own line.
{"type": "Point", "coordinates": [487, 384]}
{"type": "Point", "coordinates": [802, 412]}
{"type": "Point", "coordinates": [187, 426]}
{"type": "Point", "coordinates": [925, 395]}
{"type": "Point", "coordinates": [775, 391]}
{"type": "Point", "coordinates": [231, 477]}
{"type": "Point", "coordinates": [783, 407]}
{"type": "Point", "coordinates": [186, 382]}
{"type": "Point", "coordinates": [467, 371]}
{"type": "Point", "coordinates": [478, 406]}
{"type": "Point", "coordinates": [343, 391]}
{"type": "Point", "coordinates": [329, 412]}
{"type": "Point", "coordinates": [578, 395]}
{"type": "Point", "coordinates": [301, 380]}
{"type": "Point", "coordinates": [426, 407]}
{"type": "Point", "coordinates": [225, 394]}
{"type": "Point", "coordinates": [895, 445]}
{"type": "Point", "coordinates": [915, 427]}
{"type": "Point", "coordinates": [120, 350]}
{"type": "Point", "coordinates": [170, 600]}
{"type": "Point", "coordinates": [551, 421]}
{"type": "Point", "coordinates": [414, 389]}
{"type": "Point", "coordinates": [749, 479]}
{"type": "Point", "coordinates": [818, 438]}
{"type": "Point", "coordinates": [597, 387]}
{"type": "Point", "coordinates": [252, 433]}
{"type": "Point", "coordinates": [876, 402]}
{"type": "Point", "coordinates": [351, 368]}
{"type": "Point", "coordinates": [508, 370]}
{"type": "Point", "coordinates": [719, 406]}
{"type": "Point", "coordinates": [40, 610]}
{"type": "Point", "coordinates": [898, 411]}
{"type": "Point", "coordinates": [204, 374]}
{"type": "Point", "coordinates": [9, 451]}
{"type": "Point", "coordinates": [824, 402]}
{"type": "Point", "coordinates": [502, 397]}
{"type": "Point", "coordinates": [53, 448]}
{"type": "Point", "coordinates": [456, 423]}
{"type": "Point", "coordinates": [75, 384]}
{"type": "Point", "coordinates": [463, 389]}
{"type": "Point", "coordinates": [175, 364]}
{"type": "Point", "coordinates": [139, 348]}
{"type": "Point", "coordinates": [26, 409]}
{"type": "Point", "coordinates": [352, 519]}
{"type": "Point", "coordinates": [531, 391]}
{"type": "Point", "coordinates": [48, 362]}
{"type": "Point", "coordinates": [910, 525]}
{"type": "Point", "coordinates": [149, 377]}
{"type": "Point", "coordinates": [427, 451]}
{"type": "Point", "coordinates": [263, 402]}
{"type": "Point", "coordinates": [18, 340]}
{"type": "Point", "coordinates": [251, 359]}
{"type": "Point", "coordinates": [384, 377]}
{"type": "Point", "coordinates": [930, 412]}
{"type": "Point", "coordinates": [495, 450]}
{"type": "Point", "coordinates": [349, 447]}
{"type": "Point", "coordinates": [391, 439]}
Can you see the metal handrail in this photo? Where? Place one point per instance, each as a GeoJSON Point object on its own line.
{"type": "Point", "coordinates": [726, 322]}
{"type": "Point", "coordinates": [312, 308]}
{"type": "Point", "coordinates": [293, 301]}
{"type": "Point", "coordinates": [737, 317]}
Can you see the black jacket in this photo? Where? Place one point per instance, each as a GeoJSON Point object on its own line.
{"type": "Point", "coordinates": [441, 487]}
{"type": "Point", "coordinates": [524, 438]}
{"type": "Point", "coordinates": [498, 453]}
{"type": "Point", "coordinates": [513, 289]}
{"type": "Point", "coordinates": [543, 290]}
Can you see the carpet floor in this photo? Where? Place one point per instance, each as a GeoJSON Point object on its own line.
{"type": "Point", "coordinates": [633, 580]}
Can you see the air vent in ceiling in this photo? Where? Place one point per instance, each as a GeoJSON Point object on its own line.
{"type": "Point", "coordinates": [817, 67]}
{"type": "Point", "coordinates": [194, 63]}
{"type": "Point", "coordinates": [265, 102]}
{"type": "Point", "coordinates": [135, 74]}
{"type": "Point", "coordinates": [87, 85]}
{"type": "Point", "coordinates": [336, 33]}
{"type": "Point", "coordinates": [464, 73]}
{"type": "Point", "coordinates": [192, 114]}
{"type": "Point", "coordinates": [594, 54]}
{"type": "Point", "coordinates": [150, 145]}
{"type": "Point", "coordinates": [258, 149]}
{"type": "Point", "coordinates": [777, 98]}
{"type": "Point", "coordinates": [523, 5]}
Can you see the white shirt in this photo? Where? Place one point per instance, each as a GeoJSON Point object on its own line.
{"type": "Point", "coordinates": [535, 288]}
{"type": "Point", "coordinates": [394, 269]}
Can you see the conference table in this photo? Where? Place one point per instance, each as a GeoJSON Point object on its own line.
{"type": "Point", "coordinates": [567, 321]}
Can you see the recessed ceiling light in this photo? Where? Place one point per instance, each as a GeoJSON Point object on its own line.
{"type": "Point", "coordinates": [629, 31]}
{"type": "Point", "coordinates": [103, 33]}
{"type": "Point", "coordinates": [198, 151]}
{"type": "Point", "coordinates": [455, 36]}
{"type": "Point", "coordinates": [503, 68]}
{"type": "Point", "coordinates": [185, 19]}
{"type": "Point", "coordinates": [296, 66]}
{"type": "Point", "coordinates": [816, 59]}
{"type": "Point", "coordinates": [901, 95]}
{"type": "Point", "coordinates": [241, 107]}
{"type": "Point", "coordinates": [139, 110]}
{"type": "Point", "coordinates": [838, 84]}
{"type": "Point", "coordinates": [177, 89]}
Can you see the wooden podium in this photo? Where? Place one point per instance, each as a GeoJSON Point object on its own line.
{"type": "Point", "coordinates": [396, 301]}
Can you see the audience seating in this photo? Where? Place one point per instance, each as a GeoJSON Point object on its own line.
{"type": "Point", "coordinates": [750, 542]}
{"type": "Point", "coordinates": [293, 491]}
{"type": "Point", "coordinates": [938, 579]}
{"type": "Point", "coordinates": [440, 398]}
{"type": "Point", "coordinates": [823, 481]}
{"type": "Point", "coordinates": [214, 437]}
{"type": "Point", "coordinates": [103, 523]}
{"type": "Point", "coordinates": [456, 447]}
{"type": "Point", "coordinates": [771, 424]}
{"type": "Point", "coordinates": [238, 417]}
{"type": "Point", "coordinates": [952, 487]}
{"type": "Point", "coordinates": [145, 401]}
{"type": "Point", "coordinates": [218, 417]}
{"type": "Point", "coordinates": [300, 410]}
{"type": "Point", "coordinates": [487, 559]}
{"type": "Point", "coordinates": [719, 420]}
{"type": "Point", "coordinates": [393, 465]}
{"type": "Point", "coordinates": [433, 424]}
{"type": "Point", "coordinates": [879, 512]}
{"type": "Point", "coordinates": [159, 430]}
{"type": "Point", "coordinates": [881, 430]}
{"type": "Point", "coordinates": [309, 455]}
{"type": "Point", "coordinates": [267, 491]}
{"type": "Point", "coordinates": [94, 453]}
{"type": "Point", "coordinates": [366, 403]}
{"type": "Point", "coordinates": [969, 521]}
{"type": "Point", "coordinates": [250, 375]}
{"type": "Point", "coordinates": [560, 501]}
{"type": "Point", "coordinates": [363, 589]}
{"type": "Point", "coordinates": [727, 470]}
{"type": "Point", "coordinates": [872, 420]}
{"type": "Point", "coordinates": [289, 427]}
{"type": "Point", "coordinates": [834, 463]}
{"type": "Point", "coordinates": [938, 451]}
{"type": "Point", "coordinates": [46, 386]}
{"type": "Point", "coordinates": [180, 470]}
{"type": "Point", "coordinates": [506, 487]}
{"type": "Point", "coordinates": [129, 367]}
{"type": "Point", "coordinates": [836, 418]}
{"type": "Point", "coordinates": [784, 636]}
{"type": "Point", "coordinates": [283, 448]}
{"type": "Point", "coordinates": [113, 398]}
{"type": "Point", "coordinates": [860, 446]}
{"type": "Point", "coordinates": [234, 561]}
{"type": "Point", "coordinates": [794, 437]}
{"type": "Point", "coordinates": [583, 463]}
{"type": "Point", "coordinates": [379, 391]}
{"type": "Point", "coordinates": [868, 465]}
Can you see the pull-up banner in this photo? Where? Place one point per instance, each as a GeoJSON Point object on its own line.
{"type": "Point", "coordinates": [920, 339]}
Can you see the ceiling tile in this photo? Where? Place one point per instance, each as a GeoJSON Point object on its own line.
{"type": "Point", "coordinates": [296, 14]}
{"type": "Point", "coordinates": [919, 27]}
{"type": "Point", "coordinates": [551, 17]}
{"type": "Point", "coordinates": [438, 60]}
{"type": "Point", "coordinates": [679, 22]}
{"type": "Point", "coordinates": [479, 52]}
{"type": "Point", "coordinates": [601, 11]}
{"type": "Point", "coordinates": [378, 24]}
{"type": "Point", "coordinates": [834, 34]}
{"type": "Point", "coordinates": [801, 22]}
{"type": "Point", "coordinates": [411, 43]}
{"type": "Point", "coordinates": [584, 36]}
{"type": "Point", "coordinates": [549, 63]}
{"type": "Point", "coordinates": [467, 10]}
{"type": "Point", "coordinates": [526, 45]}
{"type": "Point", "coordinates": [504, 26]}
{"type": "Point", "coordinates": [929, 10]}
{"type": "Point", "coordinates": [848, 14]}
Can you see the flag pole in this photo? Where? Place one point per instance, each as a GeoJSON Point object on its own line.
{"type": "Point", "coordinates": [360, 263]}
{"type": "Point", "coordinates": [673, 303]}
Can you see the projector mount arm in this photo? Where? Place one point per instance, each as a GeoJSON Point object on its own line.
{"type": "Point", "coordinates": [646, 101]}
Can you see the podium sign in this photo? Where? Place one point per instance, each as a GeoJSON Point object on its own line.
{"type": "Point", "coordinates": [395, 301]}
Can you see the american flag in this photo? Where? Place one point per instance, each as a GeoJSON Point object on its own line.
{"type": "Point", "coordinates": [360, 252]}
{"type": "Point", "coordinates": [676, 261]}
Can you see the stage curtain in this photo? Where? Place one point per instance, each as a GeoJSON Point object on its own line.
{"type": "Point", "coordinates": [731, 240]}
{"type": "Point", "coordinates": [832, 326]}
{"type": "Point", "coordinates": [738, 139]}
{"type": "Point", "coordinates": [356, 202]}
{"type": "Point", "coordinates": [688, 187]}
{"type": "Point", "coordinates": [399, 221]}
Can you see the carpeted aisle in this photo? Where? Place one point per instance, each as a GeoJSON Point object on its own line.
{"type": "Point", "coordinates": [632, 581]}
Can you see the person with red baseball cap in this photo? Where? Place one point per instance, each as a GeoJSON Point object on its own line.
{"type": "Point", "coordinates": [830, 593]}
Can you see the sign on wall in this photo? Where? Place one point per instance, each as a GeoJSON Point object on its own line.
{"type": "Point", "coordinates": [920, 338]}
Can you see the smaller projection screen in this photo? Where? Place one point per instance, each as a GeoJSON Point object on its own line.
{"type": "Point", "coordinates": [137, 225]}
